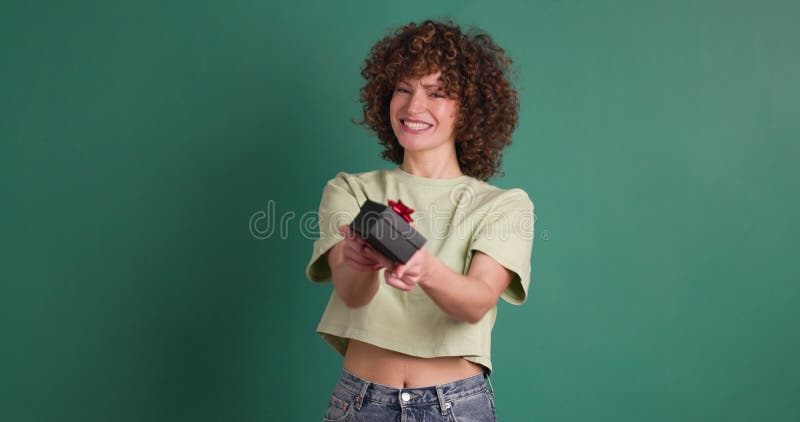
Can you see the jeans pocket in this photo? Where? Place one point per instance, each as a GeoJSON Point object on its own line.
{"type": "Point", "coordinates": [338, 410]}
{"type": "Point", "coordinates": [474, 408]}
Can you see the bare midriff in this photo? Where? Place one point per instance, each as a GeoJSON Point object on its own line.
{"type": "Point", "coordinates": [399, 370]}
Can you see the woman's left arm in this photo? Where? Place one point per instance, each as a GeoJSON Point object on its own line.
{"type": "Point", "coordinates": [463, 297]}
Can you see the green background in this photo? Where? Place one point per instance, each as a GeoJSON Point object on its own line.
{"type": "Point", "coordinates": [658, 141]}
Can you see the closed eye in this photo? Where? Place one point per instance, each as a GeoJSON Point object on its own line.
{"type": "Point", "coordinates": [437, 94]}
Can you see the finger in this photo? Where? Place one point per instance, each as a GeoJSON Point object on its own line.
{"type": "Point", "coordinates": [357, 266]}
{"type": "Point", "coordinates": [361, 262]}
{"type": "Point", "coordinates": [353, 247]}
{"type": "Point", "coordinates": [356, 253]}
{"type": "Point", "coordinates": [377, 256]}
{"type": "Point", "coordinates": [356, 262]}
{"type": "Point", "coordinates": [367, 250]}
{"type": "Point", "coordinates": [344, 229]}
{"type": "Point", "coordinates": [352, 234]}
{"type": "Point", "coordinates": [360, 240]}
{"type": "Point", "coordinates": [362, 259]}
{"type": "Point", "coordinates": [347, 232]}
{"type": "Point", "coordinates": [396, 282]}
{"type": "Point", "coordinates": [400, 270]}
{"type": "Point", "coordinates": [399, 280]}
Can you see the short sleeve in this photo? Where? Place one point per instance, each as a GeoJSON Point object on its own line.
{"type": "Point", "coordinates": [506, 234]}
{"type": "Point", "coordinates": [338, 206]}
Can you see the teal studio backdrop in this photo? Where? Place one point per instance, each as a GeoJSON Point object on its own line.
{"type": "Point", "coordinates": [141, 140]}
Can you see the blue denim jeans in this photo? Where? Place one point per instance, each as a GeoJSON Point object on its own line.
{"type": "Point", "coordinates": [356, 399]}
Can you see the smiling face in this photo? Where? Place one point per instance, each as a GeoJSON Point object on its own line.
{"type": "Point", "coordinates": [422, 115]}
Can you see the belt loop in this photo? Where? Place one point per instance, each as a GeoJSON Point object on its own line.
{"type": "Point", "coordinates": [491, 387]}
{"type": "Point", "coordinates": [444, 406]}
{"type": "Point", "coordinates": [359, 399]}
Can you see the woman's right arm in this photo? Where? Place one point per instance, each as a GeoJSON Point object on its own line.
{"type": "Point", "coordinates": [354, 269]}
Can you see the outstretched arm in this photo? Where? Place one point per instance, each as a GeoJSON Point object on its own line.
{"type": "Point", "coordinates": [463, 297]}
{"type": "Point", "coordinates": [354, 269]}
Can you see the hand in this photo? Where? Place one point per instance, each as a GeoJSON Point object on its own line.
{"type": "Point", "coordinates": [359, 255]}
{"type": "Point", "coordinates": [416, 271]}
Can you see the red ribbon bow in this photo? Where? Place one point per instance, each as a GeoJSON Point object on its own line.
{"type": "Point", "coordinates": [401, 209]}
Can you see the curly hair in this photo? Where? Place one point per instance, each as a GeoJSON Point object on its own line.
{"type": "Point", "coordinates": [474, 70]}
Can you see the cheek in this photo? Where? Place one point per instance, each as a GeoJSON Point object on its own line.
{"type": "Point", "coordinates": [394, 104]}
{"type": "Point", "coordinates": [393, 107]}
{"type": "Point", "coordinates": [448, 117]}
{"type": "Point", "coordinates": [448, 114]}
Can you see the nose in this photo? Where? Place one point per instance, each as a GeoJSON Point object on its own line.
{"type": "Point", "coordinates": [417, 102]}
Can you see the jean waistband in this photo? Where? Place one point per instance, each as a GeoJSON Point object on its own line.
{"type": "Point", "coordinates": [365, 390]}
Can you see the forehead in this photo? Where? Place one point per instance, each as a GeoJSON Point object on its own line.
{"type": "Point", "coordinates": [426, 80]}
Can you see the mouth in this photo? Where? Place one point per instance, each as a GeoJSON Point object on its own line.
{"type": "Point", "coordinates": [412, 126]}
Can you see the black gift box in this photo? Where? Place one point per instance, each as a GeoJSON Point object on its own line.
{"type": "Point", "coordinates": [386, 231]}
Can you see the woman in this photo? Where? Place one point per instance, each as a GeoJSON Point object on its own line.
{"type": "Point", "coordinates": [416, 337]}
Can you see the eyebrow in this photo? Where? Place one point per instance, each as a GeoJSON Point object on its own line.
{"type": "Point", "coordinates": [436, 85]}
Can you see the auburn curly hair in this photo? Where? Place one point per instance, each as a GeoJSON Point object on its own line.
{"type": "Point", "coordinates": [474, 70]}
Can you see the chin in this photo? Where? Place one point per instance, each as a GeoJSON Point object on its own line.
{"type": "Point", "coordinates": [413, 145]}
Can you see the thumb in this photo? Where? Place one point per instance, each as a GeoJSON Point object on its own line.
{"type": "Point", "coordinates": [345, 231]}
{"type": "Point", "coordinates": [399, 270]}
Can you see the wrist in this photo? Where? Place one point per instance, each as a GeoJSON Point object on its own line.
{"type": "Point", "coordinates": [435, 271]}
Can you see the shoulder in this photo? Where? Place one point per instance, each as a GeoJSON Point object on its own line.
{"type": "Point", "coordinates": [367, 177]}
{"type": "Point", "coordinates": [358, 186]}
{"type": "Point", "coordinates": [494, 197]}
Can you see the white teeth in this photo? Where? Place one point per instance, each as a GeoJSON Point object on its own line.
{"type": "Point", "coordinates": [416, 126]}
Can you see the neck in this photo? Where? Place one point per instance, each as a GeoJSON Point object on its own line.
{"type": "Point", "coordinates": [431, 168]}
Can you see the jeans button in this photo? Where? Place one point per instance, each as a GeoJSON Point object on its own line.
{"type": "Point", "coordinates": [405, 396]}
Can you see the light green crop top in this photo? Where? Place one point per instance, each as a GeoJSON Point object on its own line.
{"type": "Point", "coordinates": [457, 216]}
